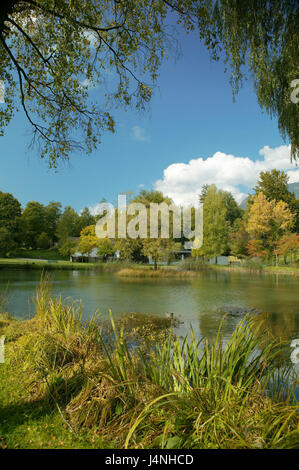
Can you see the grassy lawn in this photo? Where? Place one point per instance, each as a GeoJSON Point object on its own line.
{"type": "Point", "coordinates": [37, 264]}
{"type": "Point", "coordinates": [26, 422]}
{"type": "Point", "coordinates": [51, 254]}
{"type": "Point", "coordinates": [6, 263]}
{"type": "Point", "coordinates": [282, 269]}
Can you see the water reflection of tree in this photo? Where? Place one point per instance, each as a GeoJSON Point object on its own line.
{"type": "Point", "coordinates": [283, 321]}
{"type": "Point", "coordinates": [209, 324]}
{"type": "Point", "coordinates": [272, 294]}
{"type": "Point", "coordinates": [265, 293]}
{"type": "Point", "coordinates": [276, 329]}
{"type": "Point", "coordinates": [283, 326]}
{"type": "Point", "coordinates": [209, 314]}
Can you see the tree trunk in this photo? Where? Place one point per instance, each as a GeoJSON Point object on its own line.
{"type": "Point", "coordinates": [155, 265]}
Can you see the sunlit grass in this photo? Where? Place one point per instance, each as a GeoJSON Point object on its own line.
{"type": "Point", "coordinates": [151, 273]}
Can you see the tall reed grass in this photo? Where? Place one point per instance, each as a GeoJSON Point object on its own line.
{"type": "Point", "coordinates": [155, 274]}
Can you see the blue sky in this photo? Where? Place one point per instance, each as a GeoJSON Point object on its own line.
{"type": "Point", "coordinates": [193, 134]}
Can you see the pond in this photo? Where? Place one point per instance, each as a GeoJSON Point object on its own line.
{"type": "Point", "coordinates": [197, 301]}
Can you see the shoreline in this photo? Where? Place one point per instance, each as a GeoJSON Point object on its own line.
{"type": "Point", "coordinates": [137, 270]}
{"type": "Point", "coordinates": [266, 270]}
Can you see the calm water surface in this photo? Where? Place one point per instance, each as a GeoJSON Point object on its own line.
{"type": "Point", "coordinates": [193, 301]}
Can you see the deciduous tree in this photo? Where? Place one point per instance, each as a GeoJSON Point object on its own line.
{"type": "Point", "coordinates": [68, 225]}
{"type": "Point", "coordinates": [159, 249]}
{"type": "Point", "coordinates": [67, 247]}
{"type": "Point", "coordinates": [88, 240]}
{"type": "Point", "coordinates": [260, 40]}
{"type": "Point", "coordinates": [52, 214]}
{"type": "Point", "coordinates": [268, 221]}
{"type": "Point", "coordinates": [239, 239]}
{"type": "Point", "coordinates": [86, 219]}
{"type": "Point", "coordinates": [54, 51]}
{"type": "Point", "coordinates": [274, 184]}
{"type": "Point", "coordinates": [33, 222]}
{"type": "Point", "coordinates": [105, 248]}
{"type": "Point", "coordinates": [43, 241]}
{"type": "Point", "coordinates": [288, 244]}
{"type": "Point", "coordinates": [10, 218]}
{"type": "Point", "coordinates": [216, 231]}
{"type": "Point", "coordinates": [7, 244]}
{"type": "Point", "coordinates": [130, 249]}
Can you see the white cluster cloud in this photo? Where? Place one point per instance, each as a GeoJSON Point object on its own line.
{"type": "Point", "coordinates": [182, 182]}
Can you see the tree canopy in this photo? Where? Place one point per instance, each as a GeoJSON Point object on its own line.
{"type": "Point", "coordinates": [260, 39]}
{"type": "Point", "coordinates": [10, 209]}
{"type": "Point", "coordinates": [216, 229]}
{"type": "Point", "coordinates": [53, 51]}
{"type": "Point", "coordinates": [274, 185]}
{"type": "Point", "coordinates": [267, 223]}
{"type": "Point", "coordinates": [33, 222]}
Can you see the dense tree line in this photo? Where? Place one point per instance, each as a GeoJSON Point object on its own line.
{"type": "Point", "coordinates": [267, 228]}
{"type": "Point", "coordinates": [38, 226]}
